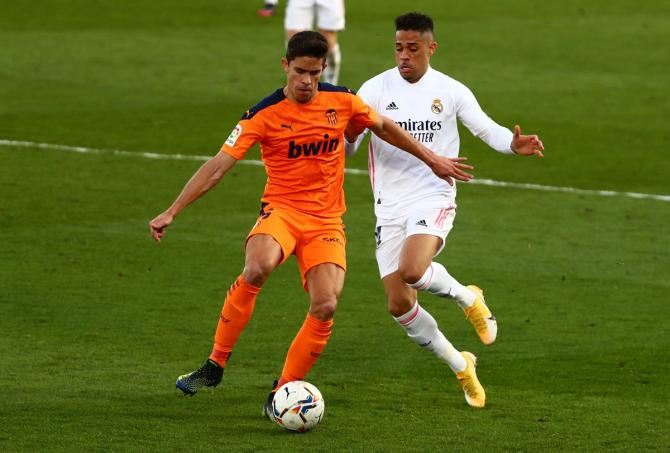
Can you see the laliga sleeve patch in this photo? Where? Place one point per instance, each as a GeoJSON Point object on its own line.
{"type": "Point", "coordinates": [234, 135]}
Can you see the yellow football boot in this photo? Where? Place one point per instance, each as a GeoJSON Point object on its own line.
{"type": "Point", "coordinates": [475, 395]}
{"type": "Point", "coordinates": [481, 318]}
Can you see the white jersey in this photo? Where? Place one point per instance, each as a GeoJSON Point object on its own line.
{"type": "Point", "coordinates": [427, 109]}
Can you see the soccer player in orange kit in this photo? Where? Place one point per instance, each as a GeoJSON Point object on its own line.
{"type": "Point", "coordinates": [300, 128]}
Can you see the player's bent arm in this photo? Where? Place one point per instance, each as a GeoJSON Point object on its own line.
{"type": "Point", "coordinates": [478, 122]}
{"type": "Point", "coordinates": [390, 132]}
{"type": "Point", "coordinates": [483, 127]}
{"type": "Point", "coordinates": [496, 136]}
{"type": "Point", "coordinates": [446, 168]}
{"type": "Point", "coordinates": [207, 176]}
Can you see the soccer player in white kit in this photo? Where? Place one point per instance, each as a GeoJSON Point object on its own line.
{"type": "Point", "coordinates": [301, 14]}
{"type": "Point", "coordinates": [415, 210]}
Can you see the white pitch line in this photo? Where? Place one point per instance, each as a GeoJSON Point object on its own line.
{"type": "Point", "coordinates": [601, 193]}
{"type": "Point", "coordinates": [354, 171]}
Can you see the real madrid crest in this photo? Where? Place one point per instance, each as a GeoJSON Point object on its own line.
{"type": "Point", "coordinates": [436, 108]}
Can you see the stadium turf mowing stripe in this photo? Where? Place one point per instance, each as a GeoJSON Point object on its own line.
{"type": "Point", "coordinates": [355, 171]}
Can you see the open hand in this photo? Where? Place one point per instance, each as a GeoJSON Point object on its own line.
{"type": "Point", "coordinates": [452, 167]}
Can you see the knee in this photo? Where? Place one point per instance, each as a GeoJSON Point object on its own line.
{"type": "Point", "coordinates": [257, 272]}
{"type": "Point", "coordinates": [323, 308]}
{"type": "Point", "coordinates": [398, 306]}
{"type": "Point", "coordinates": [411, 274]}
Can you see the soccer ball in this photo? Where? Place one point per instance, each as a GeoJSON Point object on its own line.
{"type": "Point", "coordinates": [298, 406]}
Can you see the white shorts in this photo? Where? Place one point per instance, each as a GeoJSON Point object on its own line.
{"type": "Point", "coordinates": [390, 235]}
{"type": "Point", "coordinates": [300, 15]}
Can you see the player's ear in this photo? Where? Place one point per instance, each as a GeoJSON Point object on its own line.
{"type": "Point", "coordinates": [284, 63]}
{"type": "Point", "coordinates": [432, 47]}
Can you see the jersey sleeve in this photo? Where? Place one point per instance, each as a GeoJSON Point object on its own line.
{"type": "Point", "coordinates": [362, 115]}
{"type": "Point", "coordinates": [480, 124]}
{"type": "Point", "coordinates": [245, 134]}
{"type": "Point", "coordinates": [366, 96]}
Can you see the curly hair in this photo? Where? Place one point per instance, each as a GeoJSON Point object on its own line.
{"type": "Point", "coordinates": [414, 21]}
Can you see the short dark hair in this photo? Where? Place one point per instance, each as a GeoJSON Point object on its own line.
{"type": "Point", "coordinates": [414, 21]}
{"type": "Point", "coordinates": [307, 44]}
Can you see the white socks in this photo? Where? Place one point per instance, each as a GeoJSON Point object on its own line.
{"type": "Point", "coordinates": [421, 327]}
{"type": "Point", "coordinates": [332, 72]}
{"type": "Point", "coordinates": [436, 280]}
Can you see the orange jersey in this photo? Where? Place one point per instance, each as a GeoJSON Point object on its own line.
{"type": "Point", "coordinates": [302, 146]}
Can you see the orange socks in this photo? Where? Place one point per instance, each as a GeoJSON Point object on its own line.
{"type": "Point", "coordinates": [235, 314]}
{"type": "Point", "coordinates": [305, 349]}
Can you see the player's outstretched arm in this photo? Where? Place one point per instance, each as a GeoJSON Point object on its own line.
{"type": "Point", "coordinates": [526, 145]}
{"type": "Point", "coordinates": [444, 167]}
{"type": "Point", "coordinates": [202, 180]}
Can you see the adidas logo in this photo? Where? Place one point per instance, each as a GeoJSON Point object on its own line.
{"type": "Point", "coordinates": [392, 106]}
{"type": "Point", "coordinates": [421, 223]}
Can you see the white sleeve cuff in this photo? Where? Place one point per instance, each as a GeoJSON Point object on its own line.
{"type": "Point", "coordinates": [351, 148]}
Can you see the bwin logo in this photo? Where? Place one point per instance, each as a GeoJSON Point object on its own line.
{"type": "Point", "coordinates": [312, 149]}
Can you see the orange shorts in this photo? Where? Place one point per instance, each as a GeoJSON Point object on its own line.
{"type": "Point", "coordinates": [313, 240]}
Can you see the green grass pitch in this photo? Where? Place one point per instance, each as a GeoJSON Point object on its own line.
{"type": "Point", "coordinates": [96, 321]}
